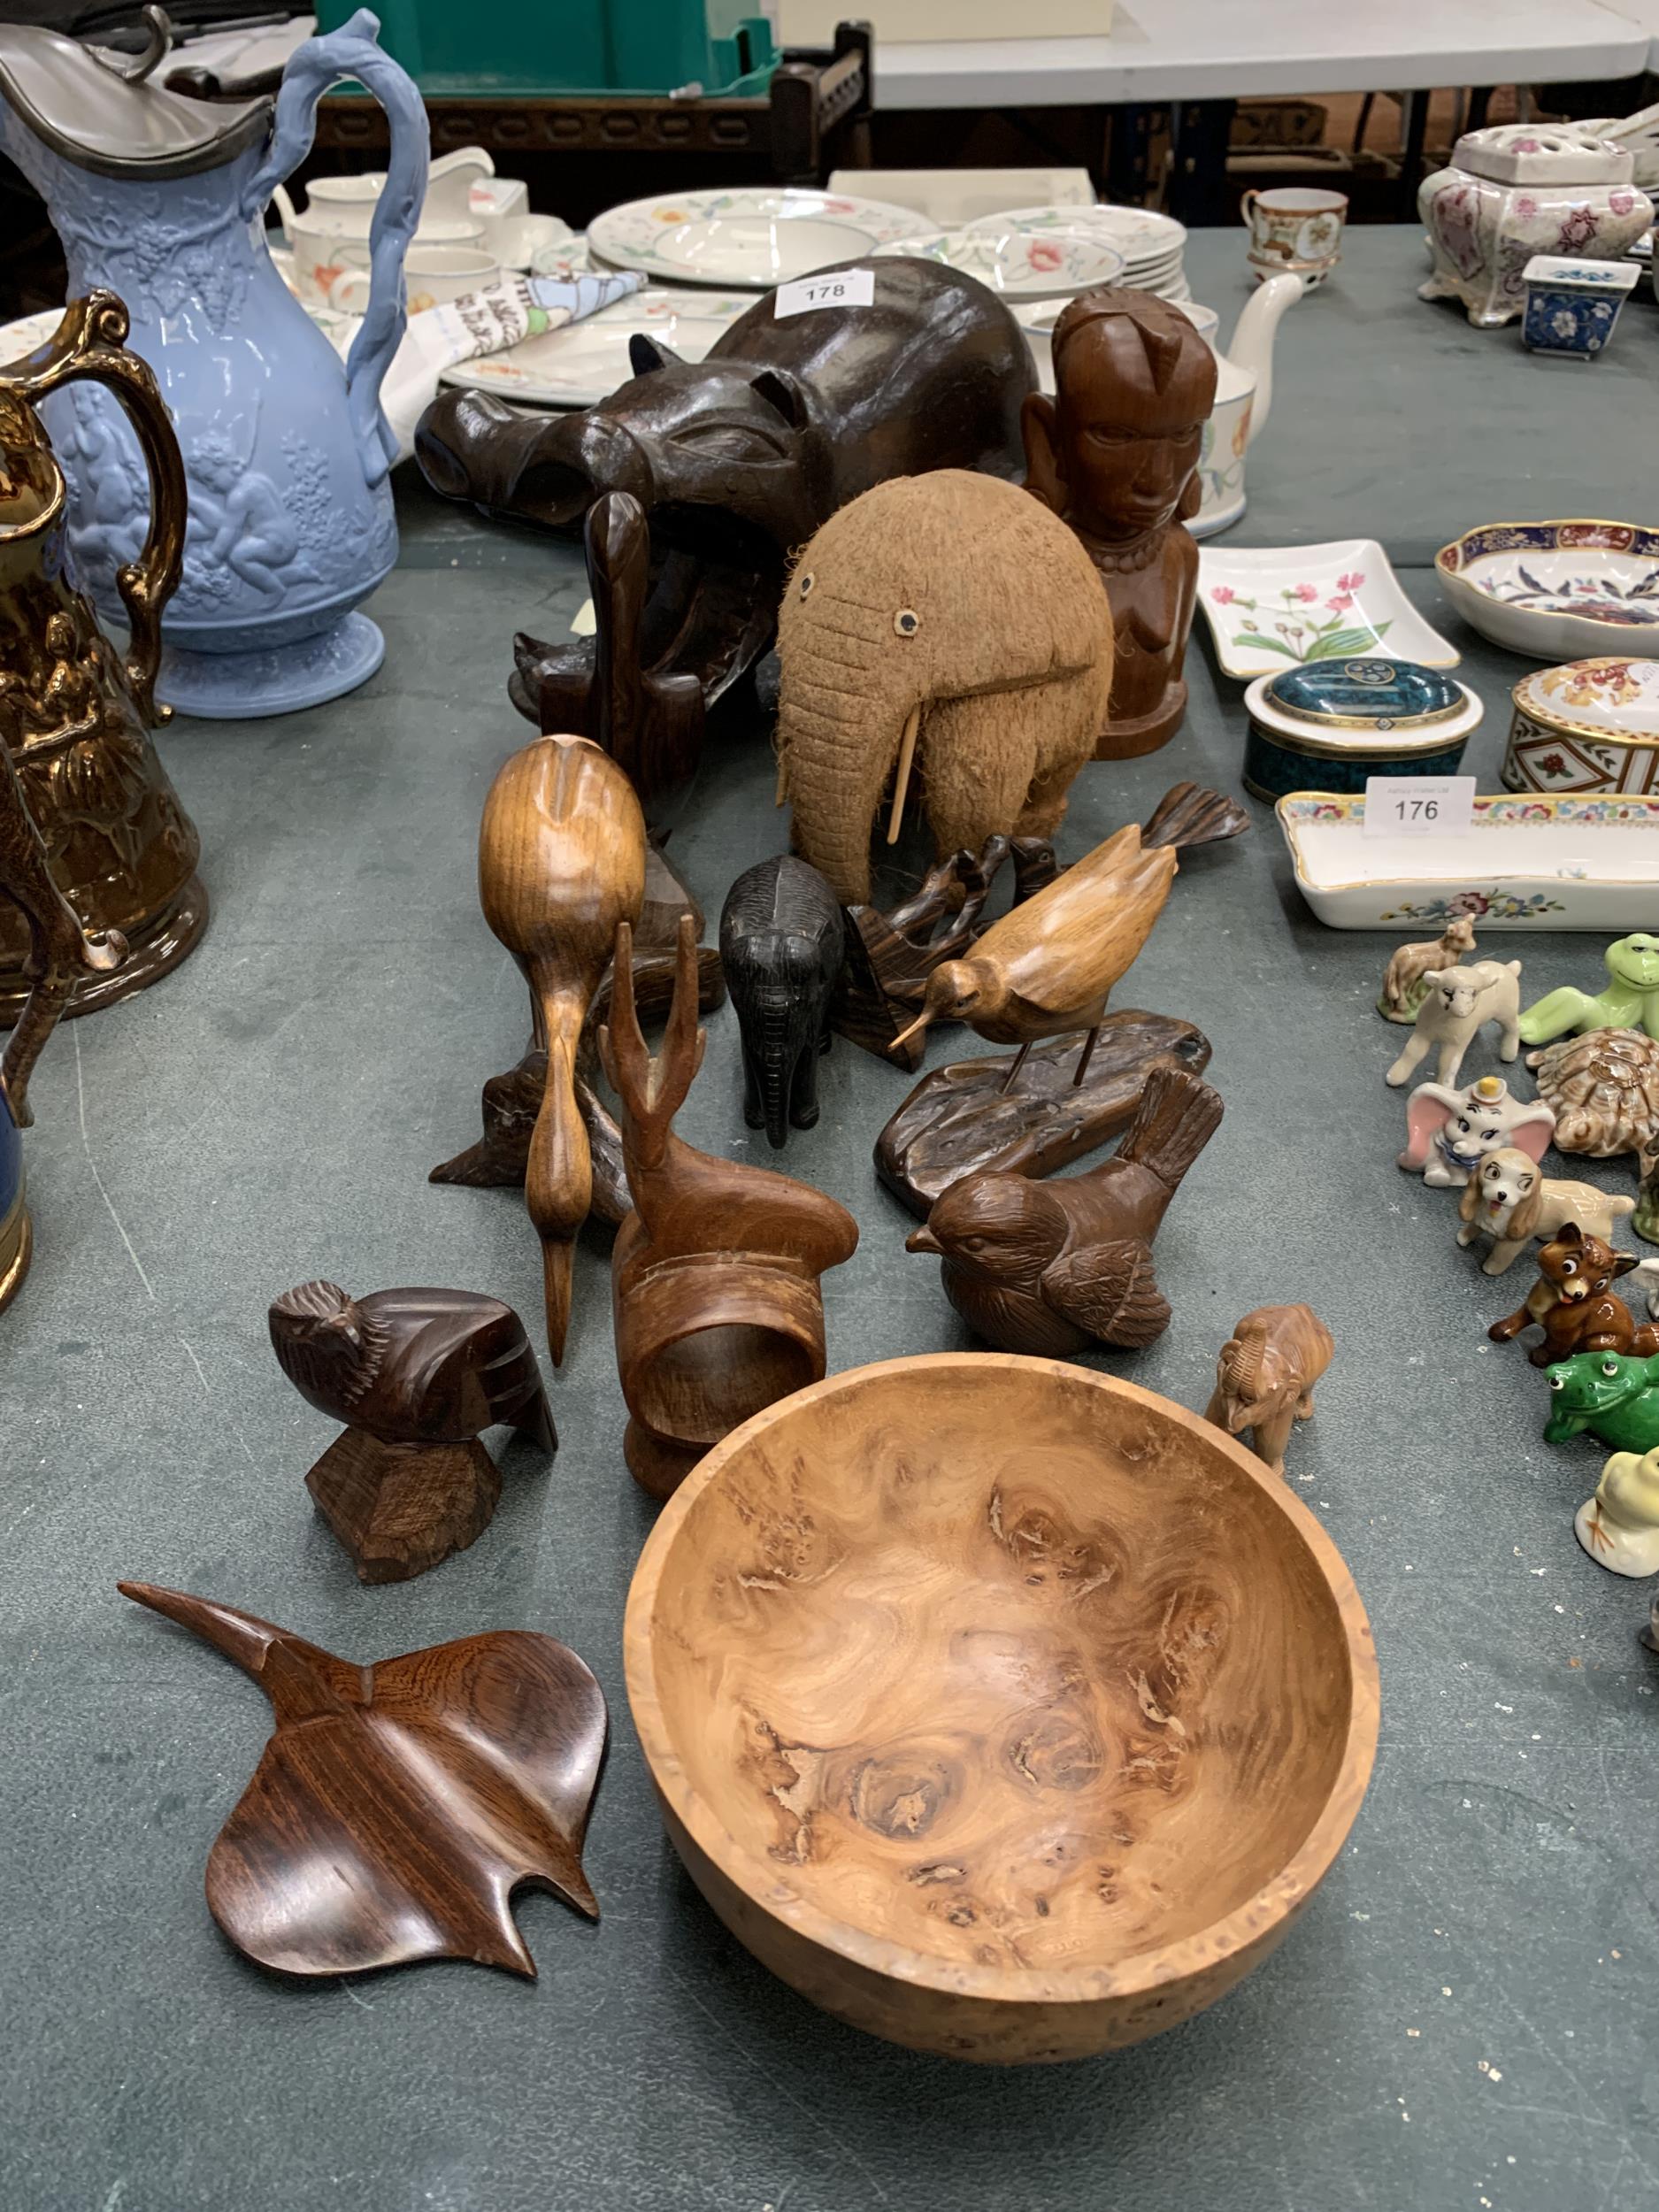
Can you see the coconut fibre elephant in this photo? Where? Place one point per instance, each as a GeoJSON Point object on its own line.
{"type": "Point", "coordinates": [946, 625]}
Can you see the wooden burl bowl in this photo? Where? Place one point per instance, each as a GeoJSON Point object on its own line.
{"type": "Point", "coordinates": [1001, 1708]}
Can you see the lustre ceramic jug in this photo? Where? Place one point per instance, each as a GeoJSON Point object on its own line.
{"type": "Point", "coordinates": [163, 199]}
{"type": "Point", "coordinates": [75, 718]}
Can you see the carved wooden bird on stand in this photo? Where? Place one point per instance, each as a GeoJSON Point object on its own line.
{"type": "Point", "coordinates": [1055, 1268]}
{"type": "Point", "coordinates": [1049, 964]}
{"type": "Point", "coordinates": [412, 1367]}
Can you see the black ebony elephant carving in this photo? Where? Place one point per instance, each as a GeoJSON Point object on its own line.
{"type": "Point", "coordinates": [780, 947]}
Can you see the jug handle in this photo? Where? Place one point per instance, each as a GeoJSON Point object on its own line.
{"type": "Point", "coordinates": [351, 52]}
{"type": "Point", "coordinates": [90, 342]}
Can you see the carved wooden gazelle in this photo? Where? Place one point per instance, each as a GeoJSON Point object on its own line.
{"type": "Point", "coordinates": [715, 1274]}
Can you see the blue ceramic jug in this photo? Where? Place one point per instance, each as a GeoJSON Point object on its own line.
{"type": "Point", "coordinates": [162, 199]}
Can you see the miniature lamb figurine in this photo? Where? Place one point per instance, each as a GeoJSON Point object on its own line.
{"type": "Point", "coordinates": [1405, 985]}
{"type": "Point", "coordinates": [1512, 1201]}
{"type": "Point", "coordinates": [1460, 1004]}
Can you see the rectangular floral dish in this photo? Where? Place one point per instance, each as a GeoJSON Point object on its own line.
{"type": "Point", "coordinates": [1271, 607]}
{"type": "Point", "coordinates": [1587, 863]}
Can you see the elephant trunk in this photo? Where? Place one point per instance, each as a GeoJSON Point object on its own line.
{"type": "Point", "coordinates": [838, 745]}
{"type": "Point", "coordinates": [780, 1037]}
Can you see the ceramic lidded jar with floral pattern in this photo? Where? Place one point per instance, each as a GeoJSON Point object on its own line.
{"type": "Point", "coordinates": [1587, 726]}
{"type": "Point", "coordinates": [1517, 190]}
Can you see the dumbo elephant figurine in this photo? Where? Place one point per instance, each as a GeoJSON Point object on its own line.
{"type": "Point", "coordinates": [947, 622]}
{"type": "Point", "coordinates": [780, 949]}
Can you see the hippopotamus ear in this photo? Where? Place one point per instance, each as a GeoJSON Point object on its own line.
{"type": "Point", "coordinates": [646, 353]}
{"type": "Point", "coordinates": [783, 395]}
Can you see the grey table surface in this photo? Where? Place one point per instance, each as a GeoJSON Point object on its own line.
{"type": "Point", "coordinates": [1463, 2018]}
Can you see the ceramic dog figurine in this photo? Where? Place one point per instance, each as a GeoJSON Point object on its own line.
{"type": "Point", "coordinates": [780, 949]}
{"type": "Point", "coordinates": [1614, 1395]}
{"type": "Point", "coordinates": [1459, 1003]}
{"type": "Point", "coordinates": [1448, 1133]}
{"type": "Point", "coordinates": [1619, 1527]}
{"type": "Point", "coordinates": [1265, 1375]}
{"type": "Point", "coordinates": [1574, 1302]}
{"type": "Point", "coordinates": [1405, 984]}
{"type": "Point", "coordinates": [1512, 1201]}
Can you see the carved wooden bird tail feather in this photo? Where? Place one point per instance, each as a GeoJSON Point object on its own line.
{"type": "Point", "coordinates": [1177, 1118]}
{"type": "Point", "coordinates": [397, 1806]}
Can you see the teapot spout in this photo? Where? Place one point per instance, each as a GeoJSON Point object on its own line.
{"type": "Point", "coordinates": [1251, 345]}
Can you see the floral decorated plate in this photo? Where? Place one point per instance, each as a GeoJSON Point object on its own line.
{"type": "Point", "coordinates": [749, 239]}
{"type": "Point", "coordinates": [1020, 264]}
{"type": "Point", "coordinates": [1523, 863]}
{"type": "Point", "coordinates": [1556, 591]}
{"type": "Point", "coordinates": [1269, 608]}
{"type": "Point", "coordinates": [1146, 240]}
{"type": "Point", "coordinates": [584, 362]}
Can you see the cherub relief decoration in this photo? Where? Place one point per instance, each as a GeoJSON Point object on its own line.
{"type": "Point", "coordinates": [1115, 453]}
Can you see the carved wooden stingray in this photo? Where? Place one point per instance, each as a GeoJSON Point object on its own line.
{"type": "Point", "coordinates": [399, 1805]}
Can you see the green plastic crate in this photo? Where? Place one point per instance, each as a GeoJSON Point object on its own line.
{"type": "Point", "coordinates": [546, 46]}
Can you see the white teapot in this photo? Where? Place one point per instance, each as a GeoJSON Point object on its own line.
{"type": "Point", "coordinates": [1244, 392]}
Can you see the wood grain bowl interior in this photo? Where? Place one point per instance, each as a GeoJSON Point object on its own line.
{"type": "Point", "coordinates": [1002, 1707]}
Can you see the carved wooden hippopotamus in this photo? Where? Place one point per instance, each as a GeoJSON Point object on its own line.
{"type": "Point", "coordinates": [739, 457]}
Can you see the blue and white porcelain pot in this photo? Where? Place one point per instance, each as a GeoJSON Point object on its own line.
{"type": "Point", "coordinates": [162, 199]}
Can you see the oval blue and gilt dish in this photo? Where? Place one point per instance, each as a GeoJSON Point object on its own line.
{"type": "Point", "coordinates": [1357, 719]}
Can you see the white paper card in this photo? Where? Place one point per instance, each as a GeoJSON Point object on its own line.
{"type": "Point", "coordinates": [1418, 806]}
{"type": "Point", "coordinates": [840, 288]}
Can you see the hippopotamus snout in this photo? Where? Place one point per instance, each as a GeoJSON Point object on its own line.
{"type": "Point", "coordinates": [471, 446]}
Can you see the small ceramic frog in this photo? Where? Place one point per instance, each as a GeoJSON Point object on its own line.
{"type": "Point", "coordinates": [1630, 999]}
{"type": "Point", "coordinates": [1615, 1395]}
{"type": "Point", "coordinates": [1448, 1133]}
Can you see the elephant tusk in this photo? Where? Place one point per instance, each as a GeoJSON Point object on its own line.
{"type": "Point", "coordinates": [907, 755]}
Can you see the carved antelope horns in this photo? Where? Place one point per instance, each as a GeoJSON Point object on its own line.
{"type": "Point", "coordinates": [652, 1090]}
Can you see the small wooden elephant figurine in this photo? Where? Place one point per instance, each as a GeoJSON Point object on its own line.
{"type": "Point", "coordinates": [1264, 1377]}
{"type": "Point", "coordinates": [782, 939]}
{"type": "Point", "coordinates": [1511, 1201]}
{"type": "Point", "coordinates": [1460, 1004]}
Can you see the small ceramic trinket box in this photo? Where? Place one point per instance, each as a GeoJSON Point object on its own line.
{"type": "Point", "coordinates": [1573, 306]}
{"type": "Point", "coordinates": [1587, 726]}
{"type": "Point", "coordinates": [1342, 721]}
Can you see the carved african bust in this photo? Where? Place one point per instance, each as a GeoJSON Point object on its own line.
{"type": "Point", "coordinates": [1115, 453]}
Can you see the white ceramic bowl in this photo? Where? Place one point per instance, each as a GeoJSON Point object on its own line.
{"type": "Point", "coordinates": [1557, 591]}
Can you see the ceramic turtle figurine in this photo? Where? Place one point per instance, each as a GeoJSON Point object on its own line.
{"type": "Point", "coordinates": [1605, 1088]}
{"type": "Point", "coordinates": [1630, 1001]}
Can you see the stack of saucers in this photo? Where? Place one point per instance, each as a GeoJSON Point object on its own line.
{"type": "Point", "coordinates": [1151, 245]}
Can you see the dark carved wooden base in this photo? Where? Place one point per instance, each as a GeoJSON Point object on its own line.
{"type": "Point", "coordinates": [959, 1119]}
{"type": "Point", "coordinates": [399, 1508]}
{"type": "Point", "coordinates": [657, 1466]}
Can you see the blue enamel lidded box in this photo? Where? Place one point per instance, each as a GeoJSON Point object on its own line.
{"type": "Point", "coordinates": [14, 1219]}
{"type": "Point", "coordinates": [1330, 724]}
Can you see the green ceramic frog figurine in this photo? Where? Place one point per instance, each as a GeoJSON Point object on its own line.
{"type": "Point", "coordinates": [1613, 1394]}
{"type": "Point", "coordinates": [1630, 999]}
